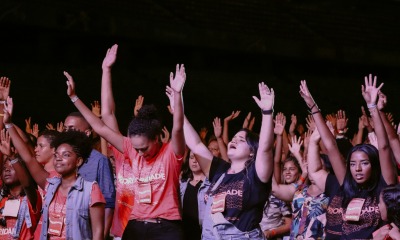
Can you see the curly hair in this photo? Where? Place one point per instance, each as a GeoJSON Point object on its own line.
{"type": "Point", "coordinates": [147, 123]}
{"type": "Point", "coordinates": [50, 135]}
{"type": "Point", "coordinates": [391, 198]}
{"type": "Point", "coordinates": [79, 142]}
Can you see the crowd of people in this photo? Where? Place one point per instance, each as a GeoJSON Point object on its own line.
{"type": "Point", "coordinates": [85, 179]}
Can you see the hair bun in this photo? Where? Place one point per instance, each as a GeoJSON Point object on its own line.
{"type": "Point", "coordinates": [147, 112]}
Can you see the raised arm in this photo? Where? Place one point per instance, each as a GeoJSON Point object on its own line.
{"type": "Point", "coordinates": [391, 132]}
{"type": "Point", "coordinates": [328, 139]}
{"type": "Point", "coordinates": [218, 134]}
{"type": "Point", "coordinates": [264, 157]}
{"type": "Point", "coordinates": [370, 93]}
{"type": "Point", "coordinates": [114, 138]}
{"type": "Point", "coordinates": [315, 170]}
{"type": "Point", "coordinates": [225, 134]}
{"type": "Point", "coordinates": [5, 84]}
{"type": "Point", "coordinates": [107, 97]}
{"type": "Point", "coordinates": [37, 171]}
{"type": "Point", "coordinates": [280, 121]}
{"type": "Point", "coordinates": [177, 83]}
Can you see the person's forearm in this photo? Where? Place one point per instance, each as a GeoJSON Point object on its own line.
{"type": "Point", "coordinates": [222, 149]}
{"type": "Point", "coordinates": [277, 158]}
{"type": "Point", "coordinates": [225, 132]}
{"type": "Point", "coordinates": [109, 213]}
{"type": "Point", "coordinates": [107, 98]}
{"type": "Point", "coordinates": [177, 137]}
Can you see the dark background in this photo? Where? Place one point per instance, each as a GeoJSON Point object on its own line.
{"type": "Point", "coordinates": [227, 47]}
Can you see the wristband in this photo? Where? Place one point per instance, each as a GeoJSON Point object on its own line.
{"type": "Point", "coordinates": [272, 233]}
{"type": "Point", "coordinates": [313, 106]}
{"type": "Point", "coordinates": [302, 180]}
{"type": "Point", "coordinates": [312, 113]}
{"type": "Point", "coordinates": [8, 125]}
{"type": "Point", "coordinates": [2, 101]}
{"type": "Point", "coordinates": [267, 112]}
{"type": "Point", "coordinates": [74, 99]}
{"type": "Point", "coordinates": [1, 114]}
{"type": "Point", "coordinates": [371, 106]}
{"type": "Point", "coordinates": [14, 161]}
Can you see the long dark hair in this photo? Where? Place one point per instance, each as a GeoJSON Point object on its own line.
{"type": "Point", "coordinates": [350, 187]}
{"type": "Point", "coordinates": [391, 198]}
{"type": "Point", "coordinates": [252, 140]}
{"type": "Point", "coordinates": [186, 173]}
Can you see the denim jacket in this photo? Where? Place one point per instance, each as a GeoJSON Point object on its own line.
{"type": "Point", "coordinates": [200, 196]}
{"type": "Point", "coordinates": [23, 215]}
{"type": "Point", "coordinates": [77, 217]}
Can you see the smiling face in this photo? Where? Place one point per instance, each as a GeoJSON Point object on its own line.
{"type": "Point", "coordinates": [144, 146]}
{"type": "Point", "coordinates": [44, 153]}
{"type": "Point", "coordinates": [290, 172]}
{"type": "Point", "coordinates": [360, 167]}
{"type": "Point", "coordinates": [66, 161]}
{"type": "Point", "coordinates": [238, 148]}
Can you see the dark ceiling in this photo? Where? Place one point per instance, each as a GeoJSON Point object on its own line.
{"type": "Point", "coordinates": [227, 46]}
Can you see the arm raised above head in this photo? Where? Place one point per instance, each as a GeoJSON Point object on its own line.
{"type": "Point", "coordinates": [114, 138]}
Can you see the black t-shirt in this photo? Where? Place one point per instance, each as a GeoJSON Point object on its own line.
{"type": "Point", "coordinates": [370, 218]}
{"type": "Point", "coordinates": [190, 212]}
{"type": "Point", "coordinates": [245, 194]}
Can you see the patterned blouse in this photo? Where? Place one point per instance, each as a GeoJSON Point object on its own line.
{"type": "Point", "coordinates": [309, 215]}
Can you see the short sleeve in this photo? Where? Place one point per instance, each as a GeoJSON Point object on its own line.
{"type": "Point", "coordinates": [96, 195]}
{"type": "Point", "coordinates": [218, 166]}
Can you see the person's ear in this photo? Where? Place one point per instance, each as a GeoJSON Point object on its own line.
{"type": "Point", "coordinates": [80, 162]}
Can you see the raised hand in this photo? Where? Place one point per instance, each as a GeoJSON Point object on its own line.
{"type": "Point", "coordinates": [306, 95]}
{"type": "Point", "coordinates": [251, 124]}
{"type": "Point", "coordinates": [310, 123]}
{"type": "Point", "coordinates": [390, 118]}
{"type": "Point", "coordinates": [382, 101]}
{"type": "Point", "coordinates": [233, 115]}
{"type": "Point", "coordinates": [315, 136]}
{"type": "Point", "coordinates": [372, 139]}
{"type": "Point", "coordinates": [60, 126]}
{"type": "Point", "coordinates": [50, 126]}
{"type": "Point", "coordinates": [96, 108]}
{"type": "Point", "coordinates": [370, 91]}
{"type": "Point", "coordinates": [8, 110]}
{"type": "Point", "coordinates": [332, 119]}
{"type": "Point", "coordinates": [35, 130]}
{"type": "Point", "coordinates": [246, 121]}
{"type": "Point", "coordinates": [295, 146]}
{"type": "Point", "coordinates": [170, 94]}
{"type": "Point", "coordinates": [4, 88]}
{"type": "Point", "coordinates": [28, 126]}
{"type": "Point", "coordinates": [203, 134]}
{"type": "Point", "coordinates": [165, 135]}
{"type": "Point", "coordinates": [341, 121]}
{"type": "Point", "coordinates": [5, 146]}
{"type": "Point", "coordinates": [110, 57]}
{"type": "Point", "coordinates": [138, 104]}
{"type": "Point", "coordinates": [280, 122]}
{"type": "Point", "coordinates": [267, 97]}
{"type": "Point", "coordinates": [178, 81]}
{"type": "Point", "coordinates": [307, 136]}
{"type": "Point", "coordinates": [293, 124]}
{"type": "Point", "coordinates": [70, 84]}
{"type": "Point", "coordinates": [217, 127]}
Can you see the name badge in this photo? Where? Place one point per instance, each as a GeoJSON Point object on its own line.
{"type": "Point", "coordinates": [218, 204]}
{"type": "Point", "coordinates": [56, 223]}
{"type": "Point", "coordinates": [11, 208]}
{"type": "Point", "coordinates": [144, 192]}
{"type": "Point", "coordinates": [353, 210]}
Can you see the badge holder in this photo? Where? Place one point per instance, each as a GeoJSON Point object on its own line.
{"type": "Point", "coordinates": [11, 208]}
{"type": "Point", "coordinates": [144, 193]}
{"type": "Point", "coordinates": [353, 210]}
{"type": "Point", "coordinates": [218, 204]}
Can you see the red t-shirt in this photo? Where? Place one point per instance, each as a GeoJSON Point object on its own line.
{"type": "Point", "coordinates": [124, 193]}
{"type": "Point", "coordinates": [162, 172]}
{"type": "Point", "coordinates": [58, 207]}
{"type": "Point", "coordinates": [26, 233]}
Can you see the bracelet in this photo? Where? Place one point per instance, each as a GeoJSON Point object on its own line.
{"type": "Point", "coordinates": [313, 106]}
{"type": "Point", "coordinates": [272, 233]}
{"type": "Point", "coordinates": [371, 106]}
{"type": "Point", "coordinates": [312, 113]}
{"type": "Point", "coordinates": [14, 161]}
{"type": "Point", "coordinates": [301, 179]}
{"type": "Point", "coordinates": [8, 125]}
{"type": "Point", "coordinates": [1, 114]}
{"type": "Point", "coordinates": [74, 99]}
{"type": "Point", "coordinates": [2, 101]}
{"type": "Point", "coordinates": [267, 112]}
